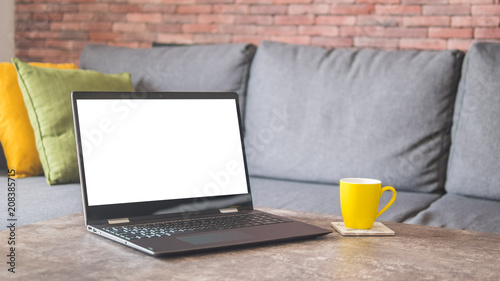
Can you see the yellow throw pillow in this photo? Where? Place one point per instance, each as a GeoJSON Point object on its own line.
{"type": "Point", "coordinates": [16, 133]}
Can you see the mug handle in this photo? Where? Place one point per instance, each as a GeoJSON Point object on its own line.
{"type": "Point", "coordinates": [385, 188]}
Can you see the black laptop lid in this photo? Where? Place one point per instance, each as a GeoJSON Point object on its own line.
{"type": "Point", "coordinates": [155, 154]}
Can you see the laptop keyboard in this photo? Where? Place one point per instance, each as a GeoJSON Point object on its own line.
{"type": "Point", "coordinates": [141, 231]}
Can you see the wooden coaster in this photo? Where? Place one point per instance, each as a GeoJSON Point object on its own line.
{"type": "Point", "coordinates": [378, 229]}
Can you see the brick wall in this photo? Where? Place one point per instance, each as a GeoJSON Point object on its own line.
{"type": "Point", "coordinates": [57, 30]}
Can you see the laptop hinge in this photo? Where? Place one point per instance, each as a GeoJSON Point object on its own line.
{"type": "Point", "coordinates": [228, 210]}
{"type": "Point", "coordinates": [117, 221]}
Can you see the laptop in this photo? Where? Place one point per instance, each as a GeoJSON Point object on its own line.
{"type": "Point", "coordinates": [166, 173]}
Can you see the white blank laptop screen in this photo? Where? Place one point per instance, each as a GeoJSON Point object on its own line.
{"type": "Point", "coordinates": [139, 150]}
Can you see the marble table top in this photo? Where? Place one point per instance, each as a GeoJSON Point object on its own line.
{"type": "Point", "coordinates": [61, 249]}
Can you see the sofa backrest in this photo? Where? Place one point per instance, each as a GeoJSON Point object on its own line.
{"type": "Point", "coordinates": [221, 67]}
{"type": "Point", "coordinates": [318, 115]}
{"type": "Point", "coordinates": [474, 164]}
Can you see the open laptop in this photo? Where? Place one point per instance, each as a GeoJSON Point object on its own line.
{"type": "Point", "coordinates": [165, 173]}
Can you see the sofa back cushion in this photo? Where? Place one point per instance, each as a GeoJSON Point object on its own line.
{"type": "Point", "coordinates": [474, 165]}
{"type": "Point", "coordinates": [318, 115]}
{"type": "Point", "coordinates": [222, 67]}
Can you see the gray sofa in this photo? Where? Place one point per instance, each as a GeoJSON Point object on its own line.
{"type": "Point", "coordinates": [425, 122]}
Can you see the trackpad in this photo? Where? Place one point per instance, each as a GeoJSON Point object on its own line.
{"type": "Point", "coordinates": [215, 237]}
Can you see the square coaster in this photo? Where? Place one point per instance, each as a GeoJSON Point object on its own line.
{"type": "Point", "coordinates": [378, 229]}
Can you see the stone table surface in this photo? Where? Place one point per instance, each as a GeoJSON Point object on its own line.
{"type": "Point", "coordinates": [61, 249]}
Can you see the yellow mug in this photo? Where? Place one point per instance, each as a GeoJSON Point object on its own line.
{"type": "Point", "coordinates": [359, 199]}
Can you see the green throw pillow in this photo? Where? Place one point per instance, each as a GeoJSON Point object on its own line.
{"type": "Point", "coordinates": [47, 95]}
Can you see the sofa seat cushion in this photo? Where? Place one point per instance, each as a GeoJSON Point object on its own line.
{"type": "Point", "coordinates": [318, 115]}
{"type": "Point", "coordinates": [37, 201]}
{"type": "Point", "coordinates": [324, 198]}
{"type": "Point", "coordinates": [219, 67]}
{"type": "Point", "coordinates": [474, 164]}
{"type": "Point", "coordinates": [462, 212]}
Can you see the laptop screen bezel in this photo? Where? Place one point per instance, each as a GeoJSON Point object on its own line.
{"type": "Point", "coordinates": [161, 208]}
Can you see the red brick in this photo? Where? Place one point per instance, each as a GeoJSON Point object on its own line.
{"type": "Point", "coordinates": [268, 9]}
{"type": "Point", "coordinates": [365, 31]}
{"type": "Point", "coordinates": [487, 33]}
{"type": "Point", "coordinates": [73, 35]}
{"type": "Point", "coordinates": [64, 1]}
{"type": "Point", "coordinates": [422, 43]}
{"type": "Point", "coordinates": [277, 30]}
{"type": "Point", "coordinates": [460, 44]}
{"type": "Point", "coordinates": [175, 18]}
{"type": "Point", "coordinates": [292, 1]}
{"type": "Point", "coordinates": [216, 18]}
{"type": "Point", "coordinates": [21, 53]}
{"type": "Point", "coordinates": [164, 28]}
{"type": "Point", "coordinates": [77, 17]}
{"type": "Point", "coordinates": [352, 9]}
{"type": "Point", "coordinates": [406, 32]}
{"type": "Point", "coordinates": [336, 20]}
{"type": "Point", "coordinates": [332, 42]}
{"type": "Point", "coordinates": [65, 26]}
{"type": "Point", "coordinates": [321, 30]}
{"type": "Point", "coordinates": [413, 2]}
{"type": "Point", "coordinates": [231, 9]}
{"type": "Point", "coordinates": [93, 7]}
{"type": "Point", "coordinates": [296, 19]}
{"type": "Point", "coordinates": [124, 44]}
{"type": "Point", "coordinates": [472, 1]}
{"type": "Point", "coordinates": [30, 7]}
{"type": "Point", "coordinates": [159, 8]}
{"type": "Point", "coordinates": [175, 38]}
{"type": "Point", "coordinates": [194, 9]}
{"type": "Point", "coordinates": [446, 10]}
{"type": "Point", "coordinates": [104, 36]}
{"type": "Point", "coordinates": [214, 1]}
{"type": "Point", "coordinates": [178, 1]}
{"type": "Point", "coordinates": [59, 44]}
{"type": "Point", "coordinates": [30, 43]}
{"type": "Point", "coordinates": [199, 28]}
{"type": "Point", "coordinates": [125, 8]}
{"type": "Point", "coordinates": [110, 17]}
{"type": "Point", "coordinates": [254, 1]}
{"type": "Point", "coordinates": [35, 34]}
{"type": "Point", "coordinates": [252, 39]}
{"type": "Point", "coordinates": [308, 9]}
{"type": "Point", "coordinates": [145, 17]}
{"type": "Point", "coordinates": [58, 7]}
{"type": "Point", "coordinates": [254, 19]}
{"type": "Point", "coordinates": [386, 20]}
{"type": "Point", "coordinates": [397, 10]}
{"type": "Point", "coordinates": [304, 40]}
{"type": "Point", "coordinates": [128, 27]}
{"type": "Point", "coordinates": [44, 16]}
{"type": "Point", "coordinates": [145, 45]}
{"type": "Point", "coordinates": [45, 52]}
{"type": "Point", "coordinates": [378, 1]}
{"type": "Point", "coordinates": [440, 32]}
{"type": "Point", "coordinates": [96, 26]}
{"type": "Point", "coordinates": [427, 21]}
{"type": "Point", "coordinates": [477, 21]}
{"type": "Point", "coordinates": [144, 1]}
{"type": "Point", "coordinates": [238, 29]}
{"type": "Point", "coordinates": [370, 42]}
{"type": "Point", "coordinates": [212, 38]}
{"type": "Point", "coordinates": [485, 10]}
{"type": "Point", "coordinates": [138, 36]}
{"type": "Point", "coordinates": [336, 1]}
